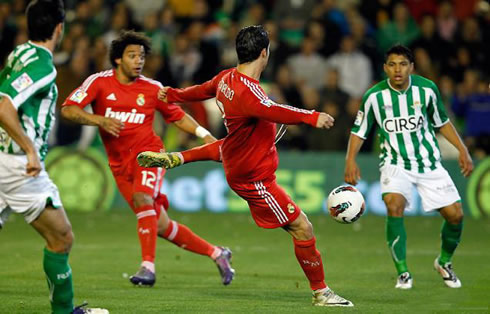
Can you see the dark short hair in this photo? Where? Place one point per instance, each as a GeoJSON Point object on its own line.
{"type": "Point", "coordinates": [401, 51]}
{"type": "Point", "coordinates": [249, 43]}
{"type": "Point", "coordinates": [42, 18]}
{"type": "Point", "coordinates": [125, 39]}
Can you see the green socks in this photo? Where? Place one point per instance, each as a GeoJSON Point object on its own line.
{"type": "Point", "coordinates": [450, 236]}
{"type": "Point", "coordinates": [58, 276]}
{"type": "Point", "coordinates": [396, 237]}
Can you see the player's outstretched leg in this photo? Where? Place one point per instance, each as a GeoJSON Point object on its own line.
{"type": "Point", "coordinates": [310, 260]}
{"type": "Point", "coordinates": [209, 151]}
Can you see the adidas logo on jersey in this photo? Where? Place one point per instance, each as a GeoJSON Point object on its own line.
{"type": "Point", "coordinates": [131, 117]}
{"type": "Point", "coordinates": [111, 97]}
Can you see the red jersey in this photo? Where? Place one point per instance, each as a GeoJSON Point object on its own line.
{"type": "Point", "coordinates": [248, 151]}
{"type": "Point", "coordinates": [134, 104]}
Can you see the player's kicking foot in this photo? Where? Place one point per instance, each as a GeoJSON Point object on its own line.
{"type": "Point", "coordinates": [82, 309]}
{"type": "Point", "coordinates": [326, 297]}
{"type": "Point", "coordinates": [447, 273]}
{"type": "Point", "coordinates": [154, 159]}
{"type": "Point", "coordinates": [144, 277]}
{"type": "Point", "coordinates": [404, 281]}
{"type": "Point", "coordinates": [223, 261]}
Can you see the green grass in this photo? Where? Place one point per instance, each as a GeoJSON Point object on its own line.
{"type": "Point", "coordinates": [357, 264]}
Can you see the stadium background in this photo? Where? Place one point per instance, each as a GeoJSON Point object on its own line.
{"type": "Point", "coordinates": [324, 55]}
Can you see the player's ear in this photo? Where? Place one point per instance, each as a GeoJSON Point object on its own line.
{"type": "Point", "coordinates": [118, 61]}
{"type": "Point", "coordinates": [411, 67]}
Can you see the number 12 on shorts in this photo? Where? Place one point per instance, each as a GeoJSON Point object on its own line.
{"type": "Point", "coordinates": [148, 179]}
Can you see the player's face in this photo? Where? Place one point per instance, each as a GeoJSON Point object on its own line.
{"type": "Point", "coordinates": [132, 61]}
{"type": "Point", "coordinates": [398, 69]}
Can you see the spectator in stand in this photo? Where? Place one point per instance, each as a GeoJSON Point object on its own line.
{"type": "Point", "coordinates": [446, 21]}
{"type": "Point", "coordinates": [209, 52]}
{"type": "Point", "coordinates": [430, 40]}
{"type": "Point", "coordinates": [185, 59]}
{"type": "Point", "coordinates": [291, 16]}
{"type": "Point", "coordinates": [353, 66]}
{"type": "Point", "coordinates": [402, 29]}
{"type": "Point", "coordinates": [377, 12]}
{"type": "Point", "coordinates": [424, 65]}
{"type": "Point", "coordinates": [307, 67]}
{"type": "Point", "coordinates": [473, 103]}
{"type": "Point", "coordinates": [366, 43]}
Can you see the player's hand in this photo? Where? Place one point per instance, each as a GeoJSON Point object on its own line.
{"type": "Point", "coordinates": [162, 93]}
{"type": "Point", "coordinates": [209, 139]}
{"type": "Point", "coordinates": [352, 174]}
{"type": "Point", "coordinates": [111, 125]}
{"type": "Point", "coordinates": [33, 164]}
{"type": "Point", "coordinates": [325, 121]}
{"type": "Point", "coordinates": [465, 163]}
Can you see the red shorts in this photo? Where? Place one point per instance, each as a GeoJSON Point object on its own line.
{"type": "Point", "coordinates": [269, 204]}
{"type": "Point", "coordinates": [132, 178]}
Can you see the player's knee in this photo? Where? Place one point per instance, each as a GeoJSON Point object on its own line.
{"type": "Point", "coordinates": [394, 206]}
{"type": "Point", "coordinates": [142, 199]}
{"type": "Point", "coordinates": [305, 229]}
{"type": "Point", "coordinates": [457, 217]}
{"type": "Point", "coordinates": [62, 241]}
{"type": "Point", "coordinates": [163, 224]}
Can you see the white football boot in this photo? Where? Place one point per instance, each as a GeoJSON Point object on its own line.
{"type": "Point", "coordinates": [447, 273]}
{"type": "Point", "coordinates": [404, 281]}
{"type": "Point", "coordinates": [326, 297]}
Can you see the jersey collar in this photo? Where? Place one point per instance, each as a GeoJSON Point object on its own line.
{"type": "Point", "coordinates": [41, 47]}
{"type": "Point", "coordinates": [246, 76]}
{"type": "Point", "coordinates": [403, 91]}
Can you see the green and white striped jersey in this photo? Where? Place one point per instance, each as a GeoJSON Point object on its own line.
{"type": "Point", "coordinates": [406, 121]}
{"type": "Point", "coordinates": [28, 80]}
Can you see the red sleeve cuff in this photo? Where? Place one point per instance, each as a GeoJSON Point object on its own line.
{"type": "Point", "coordinates": [312, 119]}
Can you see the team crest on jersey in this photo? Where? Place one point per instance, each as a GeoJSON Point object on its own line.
{"type": "Point", "coordinates": [22, 82]}
{"type": "Point", "coordinates": [416, 105]}
{"type": "Point", "coordinates": [359, 117]}
{"type": "Point", "coordinates": [78, 96]}
{"type": "Point", "coordinates": [140, 100]}
{"type": "Point", "coordinates": [290, 208]}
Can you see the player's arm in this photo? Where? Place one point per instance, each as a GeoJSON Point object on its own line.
{"type": "Point", "coordinates": [80, 116]}
{"type": "Point", "coordinates": [189, 125]}
{"type": "Point", "coordinates": [439, 119]}
{"type": "Point", "coordinates": [200, 92]}
{"type": "Point", "coordinates": [9, 121]}
{"type": "Point", "coordinates": [352, 173]}
{"type": "Point", "coordinates": [362, 125]}
{"type": "Point", "coordinates": [465, 161]}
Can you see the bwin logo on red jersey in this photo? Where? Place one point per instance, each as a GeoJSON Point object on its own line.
{"type": "Point", "coordinates": [131, 117]}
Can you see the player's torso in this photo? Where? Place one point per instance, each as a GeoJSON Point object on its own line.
{"type": "Point", "coordinates": [406, 135]}
{"type": "Point", "coordinates": [134, 105]}
{"type": "Point", "coordinates": [249, 146]}
{"type": "Point", "coordinates": [33, 68]}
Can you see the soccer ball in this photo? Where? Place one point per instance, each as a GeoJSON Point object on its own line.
{"type": "Point", "coordinates": [345, 204]}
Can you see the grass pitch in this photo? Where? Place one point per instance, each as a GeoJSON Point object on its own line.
{"type": "Point", "coordinates": [268, 280]}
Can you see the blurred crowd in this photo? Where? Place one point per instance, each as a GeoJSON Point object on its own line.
{"type": "Point", "coordinates": [324, 55]}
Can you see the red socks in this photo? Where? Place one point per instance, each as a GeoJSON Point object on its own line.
{"type": "Point", "coordinates": [147, 231]}
{"type": "Point", "coordinates": [204, 152]}
{"type": "Point", "coordinates": [310, 261]}
{"type": "Point", "coordinates": [182, 236]}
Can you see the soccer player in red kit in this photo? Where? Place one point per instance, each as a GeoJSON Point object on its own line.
{"type": "Point", "coordinates": [249, 154]}
{"type": "Point", "coordinates": [124, 103]}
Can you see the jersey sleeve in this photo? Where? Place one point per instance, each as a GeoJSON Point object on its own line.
{"type": "Point", "coordinates": [22, 85]}
{"type": "Point", "coordinates": [201, 92]}
{"type": "Point", "coordinates": [364, 118]}
{"type": "Point", "coordinates": [435, 109]}
{"type": "Point", "coordinates": [259, 105]}
{"type": "Point", "coordinates": [85, 94]}
{"type": "Point", "coordinates": [170, 112]}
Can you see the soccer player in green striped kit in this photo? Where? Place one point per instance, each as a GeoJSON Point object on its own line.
{"type": "Point", "coordinates": [28, 96]}
{"type": "Point", "coordinates": [407, 109]}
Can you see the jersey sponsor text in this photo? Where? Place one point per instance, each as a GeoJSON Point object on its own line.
{"type": "Point", "coordinates": [131, 117]}
{"type": "Point", "coordinates": [403, 124]}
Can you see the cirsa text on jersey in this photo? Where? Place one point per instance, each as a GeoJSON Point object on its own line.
{"type": "Point", "coordinates": [225, 90]}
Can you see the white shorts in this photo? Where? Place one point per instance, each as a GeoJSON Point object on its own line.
{"type": "Point", "coordinates": [22, 194]}
{"type": "Point", "coordinates": [436, 188]}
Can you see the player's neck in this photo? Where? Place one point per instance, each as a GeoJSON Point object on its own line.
{"type": "Point", "coordinates": [251, 69]}
{"type": "Point", "coordinates": [122, 77]}
{"type": "Point", "coordinates": [48, 44]}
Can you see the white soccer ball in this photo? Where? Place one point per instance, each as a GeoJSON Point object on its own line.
{"type": "Point", "coordinates": [345, 204]}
